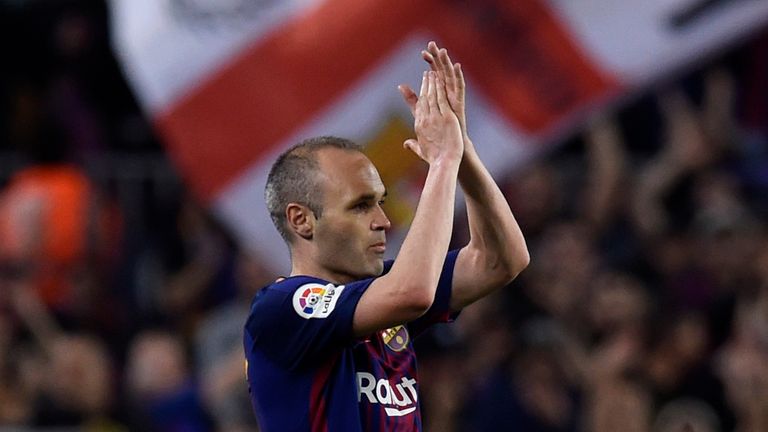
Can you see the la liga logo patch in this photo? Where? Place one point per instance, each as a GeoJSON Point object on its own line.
{"type": "Point", "coordinates": [314, 300]}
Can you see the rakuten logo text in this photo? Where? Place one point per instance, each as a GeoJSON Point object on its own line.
{"type": "Point", "coordinates": [398, 400]}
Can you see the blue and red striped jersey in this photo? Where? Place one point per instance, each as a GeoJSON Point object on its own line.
{"type": "Point", "coordinates": [307, 372]}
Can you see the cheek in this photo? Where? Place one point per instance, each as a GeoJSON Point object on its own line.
{"type": "Point", "coordinates": [344, 225]}
{"type": "Point", "coordinates": [340, 234]}
{"type": "Point", "coordinates": [337, 250]}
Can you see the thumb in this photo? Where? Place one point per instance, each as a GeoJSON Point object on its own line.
{"type": "Point", "coordinates": [409, 96]}
{"type": "Point", "coordinates": [413, 145]}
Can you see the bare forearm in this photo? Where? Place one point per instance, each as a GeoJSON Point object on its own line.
{"type": "Point", "coordinates": [423, 251]}
{"type": "Point", "coordinates": [606, 157]}
{"type": "Point", "coordinates": [494, 232]}
{"type": "Point", "coordinates": [408, 290]}
{"type": "Point", "coordinates": [647, 212]}
{"type": "Point", "coordinates": [496, 251]}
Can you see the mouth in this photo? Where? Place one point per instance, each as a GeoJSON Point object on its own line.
{"type": "Point", "coordinates": [379, 247]}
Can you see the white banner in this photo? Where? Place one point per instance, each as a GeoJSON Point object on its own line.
{"type": "Point", "coordinates": [230, 84]}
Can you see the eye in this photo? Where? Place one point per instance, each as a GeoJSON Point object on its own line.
{"type": "Point", "coordinates": [364, 205]}
{"type": "Point", "coordinates": [381, 202]}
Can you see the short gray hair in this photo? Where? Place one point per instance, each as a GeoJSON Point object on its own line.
{"type": "Point", "coordinates": [293, 178]}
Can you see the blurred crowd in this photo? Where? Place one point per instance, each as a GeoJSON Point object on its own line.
{"type": "Point", "coordinates": [645, 307]}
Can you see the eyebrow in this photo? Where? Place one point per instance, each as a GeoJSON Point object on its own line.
{"type": "Point", "coordinates": [369, 196]}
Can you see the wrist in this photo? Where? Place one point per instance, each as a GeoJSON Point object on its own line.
{"type": "Point", "coordinates": [447, 161]}
{"type": "Point", "coordinates": [469, 146]}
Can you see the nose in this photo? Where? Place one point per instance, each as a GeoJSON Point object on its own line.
{"type": "Point", "coordinates": [380, 221]}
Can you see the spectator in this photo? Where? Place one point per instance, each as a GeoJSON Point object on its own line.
{"type": "Point", "coordinates": [220, 352]}
{"type": "Point", "coordinates": [161, 389]}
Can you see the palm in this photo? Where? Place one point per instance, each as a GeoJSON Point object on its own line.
{"type": "Point", "coordinates": [437, 128]}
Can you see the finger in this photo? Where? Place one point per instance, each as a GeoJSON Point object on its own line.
{"type": "Point", "coordinates": [439, 62]}
{"type": "Point", "coordinates": [432, 48]}
{"type": "Point", "coordinates": [443, 62]}
{"type": "Point", "coordinates": [409, 96]}
{"type": "Point", "coordinates": [442, 97]}
{"type": "Point", "coordinates": [446, 57]}
{"type": "Point", "coordinates": [412, 145]}
{"type": "Point", "coordinates": [424, 86]}
{"type": "Point", "coordinates": [460, 83]}
{"type": "Point", "coordinates": [429, 58]}
{"type": "Point", "coordinates": [447, 69]}
{"type": "Point", "coordinates": [423, 104]}
{"type": "Point", "coordinates": [432, 92]}
{"type": "Point", "coordinates": [434, 51]}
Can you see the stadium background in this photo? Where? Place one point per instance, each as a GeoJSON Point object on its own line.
{"type": "Point", "coordinates": [645, 308]}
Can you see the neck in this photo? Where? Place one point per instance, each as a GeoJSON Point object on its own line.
{"type": "Point", "coordinates": [304, 264]}
{"type": "Point", "coordinates": [308, 269]}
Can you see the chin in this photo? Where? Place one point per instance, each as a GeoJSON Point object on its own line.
{"type": "Point", "coordinates": [373, 269]}
{"type": "Point", "coordinates": [378, 268]}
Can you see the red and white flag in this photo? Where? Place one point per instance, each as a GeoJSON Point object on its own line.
{"type": "Point", "coordinates": [230, 84]}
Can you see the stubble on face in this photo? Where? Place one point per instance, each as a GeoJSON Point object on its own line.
{"type": "Point", "coordinates": [344, 234]}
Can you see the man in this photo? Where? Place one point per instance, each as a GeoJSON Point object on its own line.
{"type": "Point", "coordinates": [330, 346]}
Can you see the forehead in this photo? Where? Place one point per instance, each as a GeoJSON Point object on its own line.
{"type": "Point", "coordinates": [347, 174]}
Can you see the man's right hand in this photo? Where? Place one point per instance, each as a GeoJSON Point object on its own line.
{"type": "Point", "coordinates": [408, 290]}
{"type": "Point", "coordinates": [438, 132]}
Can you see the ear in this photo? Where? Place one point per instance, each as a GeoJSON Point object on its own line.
{"type": "Point", "coordinates": [301, 220]}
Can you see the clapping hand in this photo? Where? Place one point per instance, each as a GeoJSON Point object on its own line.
{"type": "Point", "coordinates": [437, 128]}
{"type": "Point", "coordinates": [453, 77]}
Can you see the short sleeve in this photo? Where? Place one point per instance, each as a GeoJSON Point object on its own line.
{"type": "Point", "coordinates": [303, 319]}
{"type": "Point", "coordinates": [440, 311]}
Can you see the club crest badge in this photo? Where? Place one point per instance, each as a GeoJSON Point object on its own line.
{"type": "Point", "coordinates": [396, 338]}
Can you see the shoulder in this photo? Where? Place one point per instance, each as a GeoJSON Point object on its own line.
{"type": "Point", "coordinates": [308, 297]}
{"type": "Point", "coordinates": [284, 289]}
{"type": "Point", "coordinates": [290, 284]}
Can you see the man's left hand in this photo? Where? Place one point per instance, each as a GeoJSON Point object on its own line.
{"type": "Point", "coordinates": [452, 75]}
